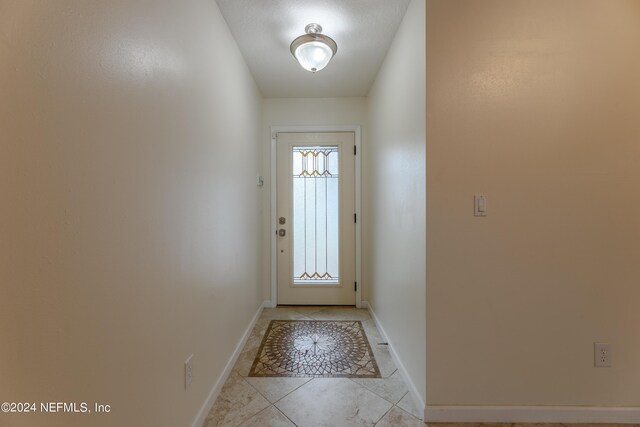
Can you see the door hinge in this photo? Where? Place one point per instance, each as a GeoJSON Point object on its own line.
{"type": "Point", "coordinates": [355, 217]}
{"type": "Point", "coordinates": [354, 150]}
{"type": "Point", "coordinates": [355, 286]}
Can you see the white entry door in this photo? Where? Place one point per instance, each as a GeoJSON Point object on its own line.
{"type": "Point", "coordinates": [316, 218]}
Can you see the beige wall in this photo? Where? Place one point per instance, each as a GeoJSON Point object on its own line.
{"type": "Point", "coordinates": [394, 211]}
{"type": "Point", "coordinates": [300, 112]}
{"type": "Point", "coordinates": [128, 206]}
{"type": "Point", "coordinates": [535, 104]}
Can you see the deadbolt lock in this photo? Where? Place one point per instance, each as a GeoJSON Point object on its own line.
{"type": "Point", "coordinates": [282, 220]}
{"type": "Point", "coordinates": [282, 232]}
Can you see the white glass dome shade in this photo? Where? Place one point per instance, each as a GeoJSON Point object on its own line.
{"type": "Point", "coordinates": [313, 50]}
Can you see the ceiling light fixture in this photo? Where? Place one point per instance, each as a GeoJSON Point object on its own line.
{"type": "Point", "coordinates": [313, 50]}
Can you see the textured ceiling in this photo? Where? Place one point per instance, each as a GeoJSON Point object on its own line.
{"type": "Point", "coordinates": [264, 29]}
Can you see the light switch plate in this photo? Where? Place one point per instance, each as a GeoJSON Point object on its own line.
{"type": "Point", "coordinates": [480, 205]}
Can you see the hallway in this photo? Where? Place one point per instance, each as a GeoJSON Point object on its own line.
{"type": "Point", "coordinates": [305, 401]}
{"type": "Point", "coordinates": [137, 188]}
{"type": "Point", "coordinates": [151, 223]}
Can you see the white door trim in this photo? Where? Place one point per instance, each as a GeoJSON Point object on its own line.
{"type": "Point", "coordinates": [274, 259]}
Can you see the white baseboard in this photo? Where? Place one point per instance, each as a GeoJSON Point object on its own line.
{"type": "Point", "coordinates": [532, 414]}
{"type": "Point", "coordinates": [419, 402]}
{"type": "Point", "coordinates": [215, 391]}
{"type": "Point", "coordinates": [364, 304]}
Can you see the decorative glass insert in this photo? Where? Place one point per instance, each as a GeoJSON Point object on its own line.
{"type": "Point", "coordinates": [316, 194]}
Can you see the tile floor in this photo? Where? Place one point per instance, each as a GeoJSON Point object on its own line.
{"type": "Point", "coordinates": [323, 348]}
{"type": "Point", "coordinates": [308, 402]}
{"type": "Point", "coordinates": [290, 401]}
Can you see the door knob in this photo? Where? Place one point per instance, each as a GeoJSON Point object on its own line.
{"type": "Point", "coordinates": [282, 220]}
{"type": "Point", "coordinates": [282, 232]}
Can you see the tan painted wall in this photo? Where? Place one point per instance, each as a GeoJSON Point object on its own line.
{"type": "Point", "coordinates": [128, 206]}
{"type": "Point", "coordinates": [537, 105]}
{"type": "Point", "coordinates": [300, 112]}
{"type": "Point", "coordinates": [394, 211]}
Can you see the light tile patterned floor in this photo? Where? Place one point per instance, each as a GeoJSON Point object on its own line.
{"type": "Point", "coordinates": [315, 348]}
{"type": "Point", "coordinates": [308, 402]}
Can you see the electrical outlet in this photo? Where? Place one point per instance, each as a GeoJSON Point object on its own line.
{"type": "Point", "coordinates": [602, 354]}
{"type": "Point", "coordinates": [188, 372]}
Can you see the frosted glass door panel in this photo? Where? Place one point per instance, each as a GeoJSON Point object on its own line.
{"type": "Point", "coordinates": [316, 215]}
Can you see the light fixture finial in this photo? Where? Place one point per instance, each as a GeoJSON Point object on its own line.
{"type": "Point", "coordinates": [313, 29]}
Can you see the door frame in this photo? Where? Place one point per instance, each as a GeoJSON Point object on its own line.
{"type": "Point", "coordinates": [273, 217]}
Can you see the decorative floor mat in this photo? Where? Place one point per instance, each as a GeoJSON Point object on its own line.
{"type": "Point", "coordinates": [315, 348]}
